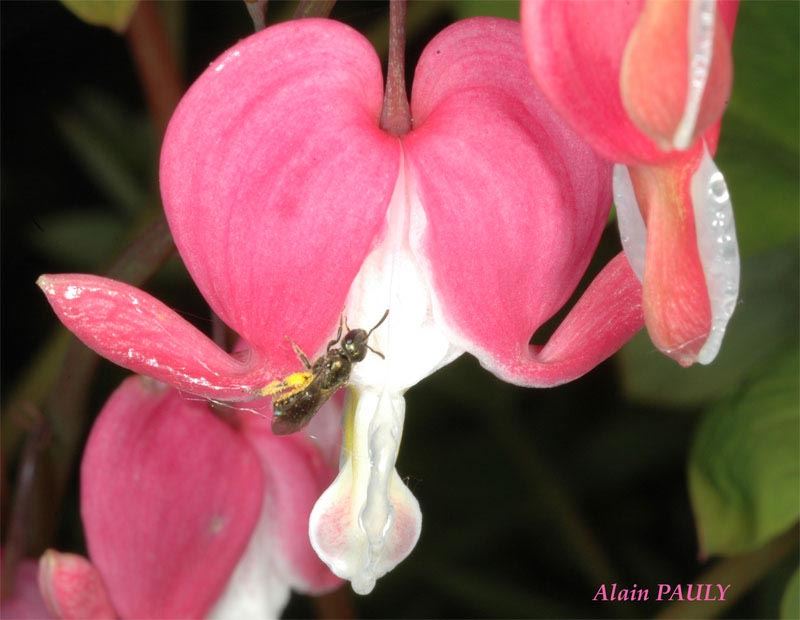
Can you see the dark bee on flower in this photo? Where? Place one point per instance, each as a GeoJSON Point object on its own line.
{"type": "Point", "coordinates": [298, 396]}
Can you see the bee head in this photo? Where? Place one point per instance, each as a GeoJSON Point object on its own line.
{"type": "Point", "coordinates": [354, 344]}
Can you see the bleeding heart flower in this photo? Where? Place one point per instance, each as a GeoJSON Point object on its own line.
{"type": "Point", "coordinates": [187, 516]}
{"type": "Point", "coordinates": [291, 206]}
{"type": "Point", "coordinates": [646, 82]}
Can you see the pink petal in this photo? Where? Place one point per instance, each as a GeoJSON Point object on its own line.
{"type": "Point", "coordinates": [170, 496]}
{"type": "Point", "coordinates": [606, 316]}
{"type": "Point", "coordinates": [297, 474]}
{"type": "Point", "coordinates": [24, 601]}
{"type": "Point", "coordinates": [689, 262]}
{"type": "Point", "coordinates": [576, 51]}
{"type": "Point", "coordinates": [138, 332]}
{"type": "Point", "coordinates": [73, 587]}
{"type": "Point", "coordinates": [515, 200]}
{"type": "Point", "coordinates": [676, 72]}
{"type": "Point", "coordinates": [276, 178]}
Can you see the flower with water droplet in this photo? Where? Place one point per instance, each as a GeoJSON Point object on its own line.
{"type": "Point", "coordinates": [646, 83]}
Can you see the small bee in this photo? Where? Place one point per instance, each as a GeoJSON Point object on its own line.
{"type": "Point", "coordinates": [298, 396]}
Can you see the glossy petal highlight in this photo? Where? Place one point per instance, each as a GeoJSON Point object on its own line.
{"type": "Point", "coordinates": [138, 332]}
{"type": "Point", "coordinates": [251, 177]}
{"type": "Point", "coordinates": [163, 526]}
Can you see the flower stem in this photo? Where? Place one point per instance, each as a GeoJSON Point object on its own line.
{"type": "Point", "coordinates": [313, 8]}
{"type": "Point", "coordinates": [396, 115]}
{"type": "Point", "coordinates": [155, 63]}
{"type": "Point", "coordinates": [258, 13]}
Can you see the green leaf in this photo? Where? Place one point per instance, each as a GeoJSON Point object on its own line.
{"type": "Point", "coordinates": [790, 603]}
{"type": "Point", "coordinates": [79, 239]}
{"type": "Point", "coordinates": [765, 323]}
{"type": "Point", "coordinates": [759, 151]}
{"type": "Point", "coordinates": [114, 14]}
{"type": "Point", "coordinates": [493, 8]}
{"type": "Point", "coordinates": [744, 467]}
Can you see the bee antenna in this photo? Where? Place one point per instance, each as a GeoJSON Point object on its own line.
{"type": "Point", "coordinates": [378, 353]}
{"type": "Point", "coordinates": [377, 325]}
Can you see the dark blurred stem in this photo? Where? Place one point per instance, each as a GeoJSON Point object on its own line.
{"type": "Point", "coordinates": [313, 8]}
{"type": "Point", "coordinates": [16, 539]}
{"type": "Point", "coordinates": [336, 605]}
{"type": "Point", "coordinates": [258, 13]}
{"type": "Point", "coordinates": [155, 63]}
{"type": "Point", "coordinates": [396, 115]}
{"type": "Point", "coordinates": [564, 516]}
{"type": "Point", "coordinates": [741, 572]}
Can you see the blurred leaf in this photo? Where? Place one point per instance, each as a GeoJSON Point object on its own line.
{"type": "Point", "coordinates": [79, 239]}
{"type": "Point", "coordinates": [100, 155]}
{"type": "Point", "coordinates": [765, 322]}
{"type": "Point", "coordinates": [495, 8]}
{"type": "Point", "coordinates": [790, 603]}
{"type": "Point", "coordinates": [744, 467]}
{"type": "Point", "coordinates": [759, 151]}
{"type": "Point", "coordinates": [114, 14]}
{"type": "Point", "coordinates": [766, 52]}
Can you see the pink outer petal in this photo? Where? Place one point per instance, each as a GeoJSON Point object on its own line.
{"type": "Point", "coordinates": [73, 588]}
{"type": "Point", "coordinates": [276, 178]}
{"type": "Point", "coordinates": [297, 475]}
{"type": "Point", "coordinates": [24, 602]}
{"type": "Point", "coordinates": [606, 316]}
{"type": "Point", "coordinates": [169, 497]}
{"type": "Point", "coordinates": [576, 51]}
{"type": "Point", "coordinates": [515, 200]}
{"type": "Point", "coordinates": [138, 332]}
{"type": "Point", "coordinates": [654, 74]}
{"type": "Point", "coordinates": [676, 301]}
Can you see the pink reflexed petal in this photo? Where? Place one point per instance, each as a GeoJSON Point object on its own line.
{"type": "Point", "coordinates": [138, 332]}
{"type": "Point", "coordinates": [676, 302]}
{"type": "Point", "coordinates": [606, 316]}
{"type": "Point", "coordinates": [275, 179]}
{"type": "Point", "coordinates": [515, 200]}
{"type": "Point", "coordinates": [677, 71]}
{"type": "Point", "coordinates": [73, 588]}
{"type": "Point", "coordinates": [169, 497]}
{"type": "Point", "coordinates": [297, 475]}
{"type": "Point", "coordinates": [575, 51]}
{"type": "Point", "coordinates": [24, 601]}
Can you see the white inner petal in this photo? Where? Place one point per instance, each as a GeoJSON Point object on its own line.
{"type": "Point", "coordinates": [632, 230]}
{"type": "Point", "coordinates": [368, 499]}
{"type": "Point", "coordinates": [718, 248]}
{"type": "Point", "coordinates": [700, 41]}
{"type": "Point", "coordinates": [257, 589]}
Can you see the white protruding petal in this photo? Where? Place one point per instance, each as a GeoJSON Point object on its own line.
{"type": "Point", "coordinates": [367, 521]}
{"type": "Point", "coordinates": [413, 340]}
{"type": "Point", "coordinates": [258, 589]}
{"type": "Point", "coordinates": [718, 248]}
{"type": "Point", "coordinates": [632, 231]}
{"type": "Point", "coordinates": [701, 48]}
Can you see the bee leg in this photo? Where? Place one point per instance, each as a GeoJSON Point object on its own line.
{"type": "Point", "coordinates": [338, 335]}
{"type": "Point", "coordinates": [302, 356]}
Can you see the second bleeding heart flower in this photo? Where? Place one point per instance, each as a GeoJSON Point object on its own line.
{"type": "Point", "coordinates": [646, 82]}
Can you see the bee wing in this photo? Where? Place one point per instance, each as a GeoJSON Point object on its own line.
{"type": "Point", "coordinates": [291, 384]}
